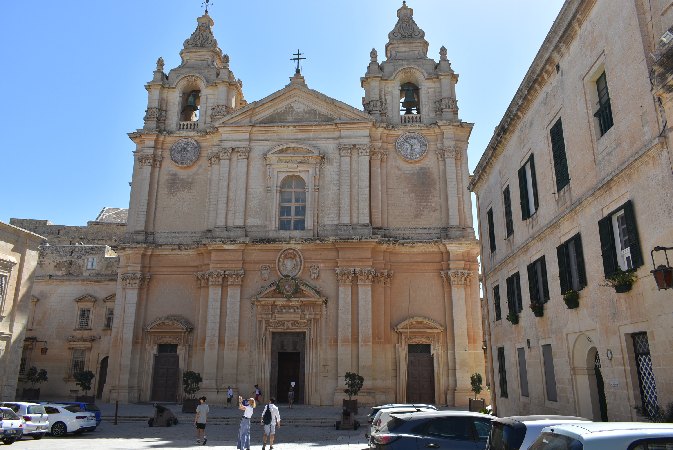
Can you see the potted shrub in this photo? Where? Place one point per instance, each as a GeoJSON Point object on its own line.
{"type": "Point", "coordinates": [571, 299]}
{"type": "Point", "coordinates": [191, 383]}
{"type": "Point", "coordinates": [83, 380]}
{"type": "Point", "coordinates": [34, 377]}
{"type": "Point", "coordinates": [537, 308]}
{"type": "Point", "coordinates": [476, 404]}
{"type": "Point", "coordinates": [621, 280]}
{"type": "Point", "coordinates": [353, 383]}
{"type": "Point", "coordinates": [513, 318]}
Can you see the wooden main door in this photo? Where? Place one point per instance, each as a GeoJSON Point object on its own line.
{"type": "Point", "coordinates": [288, 356]}
{"type": "Point", "coordinates": [420, 374]}
{"type": "Point", "coordinates": [166, 374]}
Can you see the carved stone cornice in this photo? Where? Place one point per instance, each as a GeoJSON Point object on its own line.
{"type": "Point", "coordinates": [82, 338]}
{"type": "Point", "coordinates": [456, 277]}
{"type": "Point", "coordinates": [135, 280]}
{"type": "Point", "coordinates": [243, 152]}
{"type": "Point", "coordinates": [365, 275]}
{"type": "Point", "coordinates": [344, 275]}
{"type": "Point", "coordinates": [345, 149]}
{"type": "Point", "coordinates": [287, 324]}
{"type": "Point", "coordinates": [211, 277]}
{"type": "Point", "coordinates": [234, 277]}
{"type": "Point", "coordinates": [384, 277]}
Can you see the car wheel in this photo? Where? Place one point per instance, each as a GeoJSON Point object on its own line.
{"type": "Point", "coordinates": [38, 436]}
{"type": "Point", "coordinates": [8, 441]}
{"type": "Point", "coordinates": [58, 429]}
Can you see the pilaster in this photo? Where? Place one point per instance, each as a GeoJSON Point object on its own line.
{"type": "Point", "coordinates": [231, 328]}
{"type": "Point", "coordinates": [365, 278]}
{"type": "Point", "coordinates": [141, 189]}
{"type": "Point", "coordinates": [344, 277]}
{"type": "Point", "coordinates": [345, 184]}
{"type": "Point", "coordinates": [363, 184]}
{"type": "Point", "coordinates": [213, 278]}
{"type": "Point", "coordinates": [224, 156]}
{"type": "Point", "coordinates": [241, 185]}
{"type": "Point", "coordinates": [451, 186]}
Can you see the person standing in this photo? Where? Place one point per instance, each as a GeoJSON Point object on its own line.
{"type": "Point", "coordinates": [200, 421]}
{"type": "Point", "coordinates": [247, 406]}
{"type": "Point", "coordinates": [230, 395]}
{"type": "Point", "coordinates": [270, 420]}
{"type": "Point", "coordinates": [258, 394]}
{"type": "Point", "coordinates": [290, 396]}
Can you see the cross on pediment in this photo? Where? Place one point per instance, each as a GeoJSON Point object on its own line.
{"type": "Point", "coordinates": [297, 57]}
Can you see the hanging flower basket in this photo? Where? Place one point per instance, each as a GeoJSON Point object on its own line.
{"type": "Point", "coordinates": [513, 318]}
{"type": "Point", "coordinates": [571, 299]}
{"type": "Point", "coordinates": [621, 280]}
{"type": "Point", "coordinates": [663, 275]}
{"type": "Point", "coordinates": [537, 308]}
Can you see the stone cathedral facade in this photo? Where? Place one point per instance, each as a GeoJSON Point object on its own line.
{"type": "Point", "coordinates": [295, 238]}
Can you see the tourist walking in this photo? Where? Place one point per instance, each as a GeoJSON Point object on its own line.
{"type": "Point", "coordinates": [270, 420]}
{"type": "Point", "coordinates": [230, 395]}
{"type": "Point", "coordinates": [247, 406]}
{"type": "Point", "coordinates": [200, 421]}
{"type": "Point", "coordinates": [290, 396]}
{"type": "Point", "coordinates": [258, 394]}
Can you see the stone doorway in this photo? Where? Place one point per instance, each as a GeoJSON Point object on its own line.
{"type": "Point", "coordinates": [420, 374]}
{"type": "Point", "coordinates": [102, 377]}
{"type": "Point", "coordinates": [165, 373]}
{"type": "Point", "coordinates": [288, 355]}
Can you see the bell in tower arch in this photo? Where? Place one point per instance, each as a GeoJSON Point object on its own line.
{"type": "Point", "coordinates": [190, 112]}
{"type": "Point", "coordinates": [409, 99]}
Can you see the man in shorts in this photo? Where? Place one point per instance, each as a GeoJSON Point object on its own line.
{"type": "Point", "coordinates": [230, 395]}
{"type": "Point", "coordinates": [270, 420]}
{"type": "Point", "coordinates": [200, 421]}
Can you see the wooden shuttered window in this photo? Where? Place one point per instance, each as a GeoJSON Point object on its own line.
{"type": "Point", "coordinates": [528, 188]}
{"type": "Point", "coordinates": [496, 302]}
{"type": "Point", "coordinates": [502, 372]}
{"type": "Point", "coordinates": [572, 273]}
{"type": "Point", "coordinates": [523, 371]}
{"type": "Point", "coordinates": [538, 286]}
{"type": "Point", "coordinates": [514, 302]}
{"type": "Point", "coordinates": [491, 230]}
{"type": "Point", "coordinates": [558, 148]}
{"type": "Point", "coordinates": [610, 237]}
{"type": "Point", "coordinates": [509, 223]}
{"type": "Point", "coordinates": [549, 375]}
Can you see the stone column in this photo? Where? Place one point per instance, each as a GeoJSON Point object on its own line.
{"type": "Point", "coordinates": [131, 283]}
{"type": "Point", "coordinates": [345, 184]}
{"type": "Point", "coordinates": [458, 280]}
{"type": "Point", "coordinates": [376, 188]}
{"type": "Point", "coordinates": [365, 279]}
{"type": "Point", "coordinates": [213, 189]}
{"type": "Point", "coordinates": [241, 185]}
{"type": "Point", "coordinates": [223, 188]}
{"type": "Point", "coordinates": [344, 333]}
{"type": "Point", "coordinates": [467, 199]}
{"type": "Point", "coordinates": [384, 191]}
{"type": "Point", "coordinates": [212, 337]}
{"type": "Point", "coordinates": [451, 186]}
{"type": "Point", "coordinates": [443, 201]}
{"type": "Point", "coordinates": [363, 184]}
{"type": "Point", "coordinates": [231, 328]}
{"type": "Point", "coordinates": [141, 190]}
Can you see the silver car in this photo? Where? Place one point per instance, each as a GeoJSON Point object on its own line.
{"type": "Point", "coordinates": [36, 418]}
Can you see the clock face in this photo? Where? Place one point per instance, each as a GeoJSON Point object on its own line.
{"type": "Point", "coordinates": [185, 152]}
{"type": "Point", "coordinates": [411, 146]}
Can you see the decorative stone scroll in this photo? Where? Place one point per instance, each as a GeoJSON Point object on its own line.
{"type": "Point", "coordinates": [135, 280]}
{"type": "Point", "coordinates": [202, 37]}
{"type": "Point", "coordinates": [171, 321]}
{"type": "Point", "coordinates": [384, 277]}
{"type": "Point", "coordinates": [445, 104]}
{"type": "Point", "coordinates": [406, 27]}
{"type": "Point", "coordinates": [185, 152]}
{"type": "Point", "coordinates": [243, 152]}
{"type": "Point", "coordinates": [345, 149]}
{"type": "Point", "coordinates": [154, 113]}
{"type": "Point", "coordinates": [289, 262]}
{"type": "Point", "coordinates": [363, 149]}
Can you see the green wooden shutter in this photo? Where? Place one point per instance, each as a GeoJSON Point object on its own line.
{"type": "Point", "coordinates": [509, 223]}
{"type": "Point", "coordinates": [523, 193]}
{"type": "Point", "coordinates": [517, 284]}
{"type": "Point", "coordinates": [608, 250]}
{"type": "Point", "coordinates": [533, 181]}
{"type": "Point", "coordinates": [511, 306]}
{"type": "Point", "coordinates": [632, 230]}
{"type": "Point", "coordinates": [533, 289]}
{"type": "Point", "coordinates": [579, 254]}
{"type": "Point", "coordinates": [491, 230]}
{"type": "Point", "coordinates": [558, 148]}
{"type": "Point", "coordinates": [563, 267]}
{"type": "Point", "coordinates": [496, 302]}
{"type": "Point", "coordinates": [545, 284]}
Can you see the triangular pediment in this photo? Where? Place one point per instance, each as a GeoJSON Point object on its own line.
{"type": "Point", "coordinates": [295, 104]}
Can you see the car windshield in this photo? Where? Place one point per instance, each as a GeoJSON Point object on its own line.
{"type": "Point", "coordinates": [73, 408]}
{"type": "Point", "coordinates": [551, 441]}
{"type": "Point", "coordinates": [8, 414]}
{"type": "Point", "coordinates": [92, 407]}
{"type": "Point", "coordinates": [35, 409]}
{"type": "Point", "coordinates": [392, 424]}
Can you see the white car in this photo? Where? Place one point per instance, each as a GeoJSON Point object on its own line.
{"type": "Point", "coordinates": [383, 416]}
{"type": "Point", "coordinates": [519, 432]}
{"type": "Point", "coordinates": [606, 436]}
{"type": "Point", "coordinates": [11, 426]}
{"type": "Point", "coordinates": [69, 419]}
{"type": "Point", "coordinates": [35, 418]}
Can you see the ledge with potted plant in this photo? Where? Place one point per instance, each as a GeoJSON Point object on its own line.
{"type": "Point", "coordinates": [476, 404]}
{"type": "Point", "coordinates": [353, 383]}
{"type": "Point", "coordinates": [513, 318]}
{"type": "Point", "coordinates": [537, 308]}
{"type": "Point", "coordinates": [83, 380]}
{"type": "Point", "coordinates": [571, 299]}
{"type": "Point", "coordinates": [191, 383]}
{"type": "Point", "coordinates": [621, 281]}
{"type": "Point", "coordinates": [34, 377]}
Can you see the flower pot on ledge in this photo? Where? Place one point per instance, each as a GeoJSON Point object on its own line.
{"type": "Point", "coordinates": [538, 309]}
{"type": "Point", "coordinates": [571, 299]}
{"type": "Point", "coordinates": [513, 318]}
{"type": "Point", "coordinates": [622, 288]}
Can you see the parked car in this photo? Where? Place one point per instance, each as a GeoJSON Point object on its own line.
{"type": "Point", "coordinates": [457, 430]}
{"type": "Point", "coordinates": [376, 409]}
{"type": "Point", "coordinates": [11, 426]}
{"type": "Point", "coordinates": [69, 419]}
{"type": "Point", "coordinates": [519, 432]}
{"type": "Point", "coordinates": [83, 406]}
{"type": "Point", "coordinates": [383, 416]}
{"type": "Point", "coordinates": [606, 436]}
{"type": "Point", "coordinates": [35, 418]}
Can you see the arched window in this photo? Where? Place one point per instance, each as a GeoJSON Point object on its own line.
{"type": "Point", "coordinates": [292, 207]}
{"type": "Point", "coordinates": [190, 106]}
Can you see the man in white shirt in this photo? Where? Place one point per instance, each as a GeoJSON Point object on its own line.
{"type": "Point", "coordinates": [270, 420]}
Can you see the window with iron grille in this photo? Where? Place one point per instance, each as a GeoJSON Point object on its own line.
{"type": "Point", "coordinates": [528, 189]}
{"type": "Point", "coordinates": [4, 281]}
{"type": "Point", "coordinates": [491, 230]}
{"type": "Point", "coordinates": [620, 245]}
{"type": "Point", "coordinates": [646, 381]}
{"type": "Point", "coordinates": [109, 315]}
{"type": "Point", "coordinates": [84, 318]}
{"type": "Point", "coordinates": [604, 113]}
{"type": "Point", "coordinates": [558, 149]}
{"type": "Point", "coordinates": [496, 302]}
{"type": "Point", "coordinates": [537, 281]}
{"type": "Point", "coordinates": [91, 263]}
{"type": "Point", "coordinates": [523, 371]}
{"type": "Point", "coordinates": [502, 372]}
{"type": "Point", "coordinates": [292, 207]}
{"type": "Point", "coordinates": [514, 301]}
{"type": "Point", "coordinates": [77, 361]}
{"type": "Point", "coordinates": [549, 375]}
{"type": "Point", "coordinates": [509, 223]}
{"type": "Point", "coordinates": [572, 275]}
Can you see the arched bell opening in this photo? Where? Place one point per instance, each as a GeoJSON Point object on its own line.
{"type": "Point", "coordinates": [410, 99]}
{"type": "Point", "coordinates": [191, 101]}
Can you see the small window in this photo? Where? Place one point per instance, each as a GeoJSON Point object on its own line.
{"type": "Point", "coordinates": [549, 376]}
{"type": "Point", "coordinates": [4, 282]}
{"type": "Point", "coordinates": [502, 372]}
{"type": "Point", "coordinates": [292, 207]}
{"type": "Point", "coordinates": [109, 316]}
{"type": "Point", "coordinates": [496, 302]}
{"type": "Point", "coordinates": [523, 371]}
{"type": "Point", "coordinates": [572, 275]}
{"type": "Point", "coordinates": [77, 361]}
{"type": "Point", "coordinates": [491, 230]}
{"type": "Point", "coordinates": [620, 245]}
{"type": "Point", "coordinates": [604, 112]}
{"type": "Point", "coordinates": [528, 189]}
{"type": "Point", "coordinates": [514, 301]}
{"type": "Point", "coordinates": [84, 318]}
{"type": "Point", "coordinates": [558, 148]}
{"type": "Point", "coordinates": [509, 223]}
{"type": "Point", "coordinates": [537, 281]}
{"type": "Point", "coordinates": [91, 263]}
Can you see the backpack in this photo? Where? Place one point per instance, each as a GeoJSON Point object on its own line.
{"type": "Point", "coordinates": [266, 417]}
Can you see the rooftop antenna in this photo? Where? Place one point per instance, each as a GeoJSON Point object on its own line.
{"type": "Point", "coordinates": [206, 4]}
{"type": "Point", "coordinates": [297, 57]}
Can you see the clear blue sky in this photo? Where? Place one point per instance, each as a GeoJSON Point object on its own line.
{"type": "Point", "coordinates": [73, 76]}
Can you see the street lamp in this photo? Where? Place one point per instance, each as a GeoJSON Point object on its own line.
{"type": "Point", "coordinates": [663, 274]}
